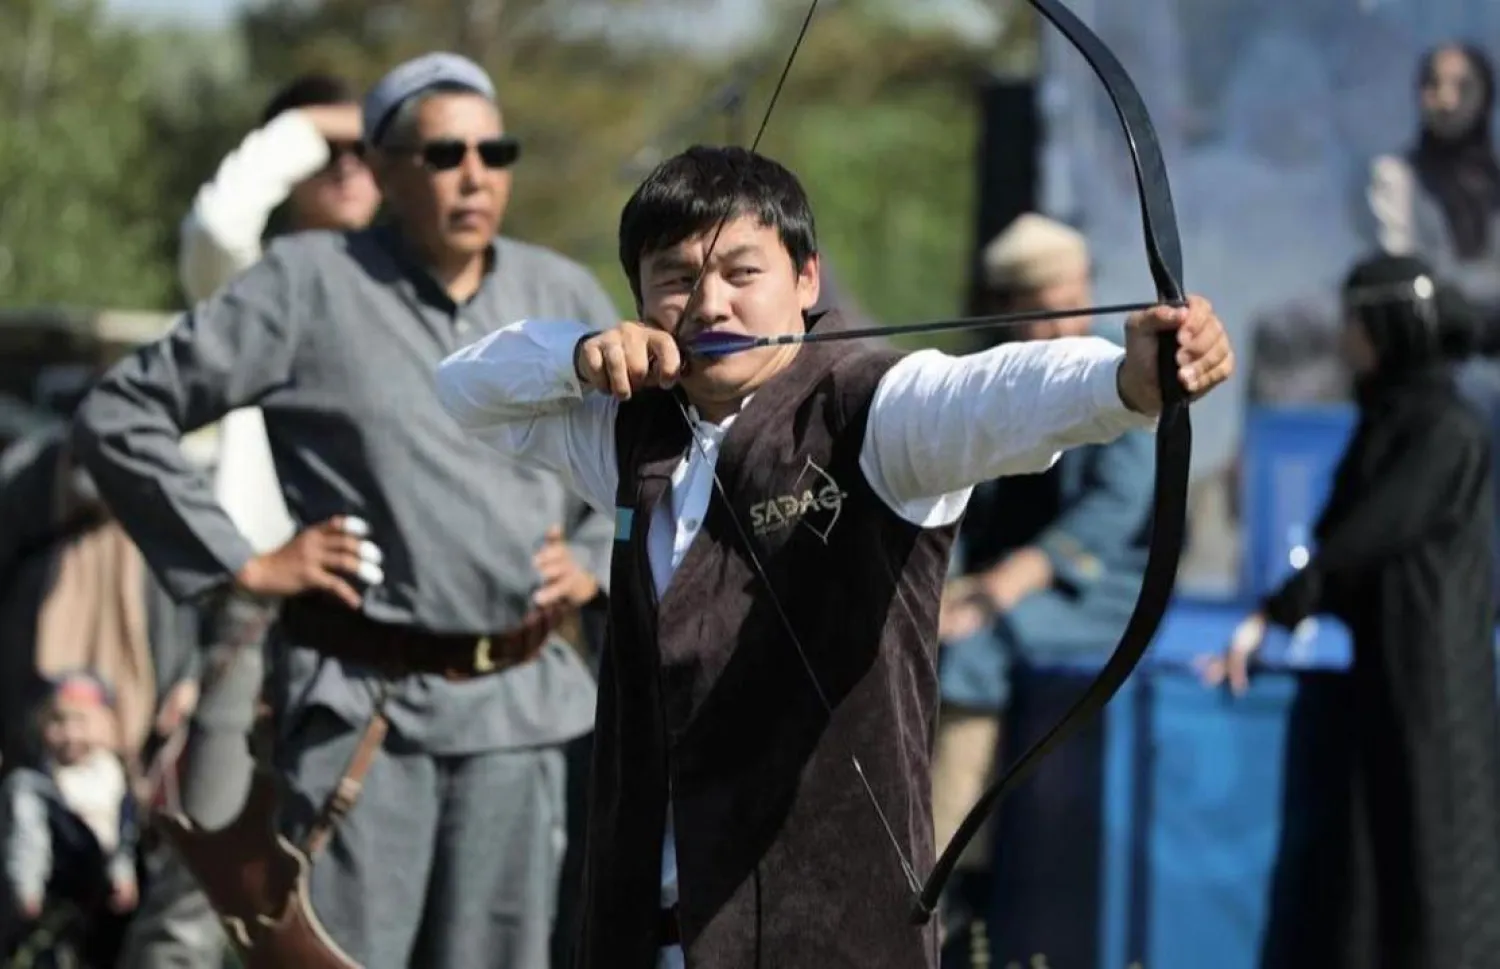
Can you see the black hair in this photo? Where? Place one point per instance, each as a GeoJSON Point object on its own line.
{"type": "Point", "coordinates": [1461, 330]}
{"type": "Point", "coordinates": [309, 90]}
{"type": "Point", "coordinates": [1395, 299]}
{"type": "Point", "coordinates": [688, 194]}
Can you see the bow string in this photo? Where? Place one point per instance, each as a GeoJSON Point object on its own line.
{"type": "Point", "coordinates": [1173, 449]}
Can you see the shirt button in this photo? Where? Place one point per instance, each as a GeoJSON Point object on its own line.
{"type": "Point", "coordinates": [691, 524]}
{"type": "Point", "coordinates": [463, 326]}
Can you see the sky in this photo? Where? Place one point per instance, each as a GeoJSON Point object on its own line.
{"type": "Point", "coordinates": [725, 16]}
{"type": "Point", "coordinates": [205, 12]}
{"type": "Point", "coordinates": [725, 20]}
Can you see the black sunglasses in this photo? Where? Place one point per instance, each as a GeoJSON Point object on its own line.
{"type": "Point", "coordinates": [443, 154]}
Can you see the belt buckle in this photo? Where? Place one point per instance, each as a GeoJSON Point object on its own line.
{"type": "Point", "coordinates": [483, 663]}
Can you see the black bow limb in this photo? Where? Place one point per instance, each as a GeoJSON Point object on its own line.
{"type": "Point", "coordinates": [1174, 445]}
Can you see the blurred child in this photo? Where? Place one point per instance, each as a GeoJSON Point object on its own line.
{"type": "Point", "coordinates": [67, 826]}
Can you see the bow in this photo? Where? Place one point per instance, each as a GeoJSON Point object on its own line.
{"type": "Point", "coordinates": [1173, 450]}
{"type": "Point", "coordinates": [1174, 442]}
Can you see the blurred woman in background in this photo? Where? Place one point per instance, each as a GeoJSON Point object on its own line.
{"type": "Point", "coordinates": [1440, 201]}
{"type": "Point", "coordinates": [1404, 560]}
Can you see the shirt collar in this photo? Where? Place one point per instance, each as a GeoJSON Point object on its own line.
{"type": "Point", "coordinates": [718, 430]}
{"type": "Point", "coordinates": [394, 241]}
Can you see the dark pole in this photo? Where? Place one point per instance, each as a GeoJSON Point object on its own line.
{"type": "Point", "coordinates": [1007, 166]}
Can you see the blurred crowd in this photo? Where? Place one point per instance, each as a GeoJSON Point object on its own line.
{"type": "Point", "coordinates": [150, 666]}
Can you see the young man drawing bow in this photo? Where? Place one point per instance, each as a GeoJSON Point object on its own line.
{"type": "Point", "coordinates": [751, 657]}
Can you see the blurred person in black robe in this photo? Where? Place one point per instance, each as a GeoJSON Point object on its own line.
{"type": "Point", "coordinates": [1411, 878]}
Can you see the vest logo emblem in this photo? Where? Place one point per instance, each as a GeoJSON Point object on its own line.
{"type": "Point", "coordinates": [816, 501]}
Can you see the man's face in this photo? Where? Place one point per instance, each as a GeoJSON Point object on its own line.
{"type": "Point", "coordinates": [1452, 95]}
{"type": "Point", "coordinates": [451, 211]}
{"type": "Point", "coordinates": [1072, 293]}
{"type": "Point", "coordinates": [343, 195]}
{"type": "Point", "coordinates": [751, 287]}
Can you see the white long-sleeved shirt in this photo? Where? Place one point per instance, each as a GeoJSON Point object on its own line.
{"type": "Point", "coordinates": [938, 425]}
{"type": "Point", "coordinates": [220, 238]}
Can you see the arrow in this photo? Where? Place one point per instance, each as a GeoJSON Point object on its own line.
{"type": "Point", "coordinates": [718, 343]}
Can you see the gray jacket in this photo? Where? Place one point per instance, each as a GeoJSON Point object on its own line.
{"type": "Point", "coordinates": [336, 337]}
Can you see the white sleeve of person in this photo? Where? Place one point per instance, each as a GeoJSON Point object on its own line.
{"type": "Point", "coordinates": [220, 236]}
{"type": "Point", "coordinates": [517, 391]}
{"type": "Point", "coordinates": [941, 424]}
{"type": "Point", "coordinates": [1392, 197]}
{"type": "Point", "coordinates": [27, 839]}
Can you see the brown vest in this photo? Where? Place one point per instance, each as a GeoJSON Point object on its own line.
{"type": "Point", "coordinates": [782, 861]}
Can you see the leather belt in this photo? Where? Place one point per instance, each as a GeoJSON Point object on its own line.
{"type": "Point", "coordinates": [321, 623]}
{"type": "Point", "coordinates": [668, 932]}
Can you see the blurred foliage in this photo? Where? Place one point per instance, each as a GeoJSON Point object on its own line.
{"type": "Point", "coordinates": [79, 219]}
{"type": "Point", "coordinates": [102, 155]}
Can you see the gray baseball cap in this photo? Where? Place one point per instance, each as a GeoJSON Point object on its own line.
{"type": "Point", "coordinates": [414, 77]}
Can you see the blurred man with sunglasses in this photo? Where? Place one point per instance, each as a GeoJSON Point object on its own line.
{"type": "Point", "coordinates": [446, 163]}
{"type": "Point", "coordinates": [301, 169]}
{"type": "Point", "coordinates": [413, 671]}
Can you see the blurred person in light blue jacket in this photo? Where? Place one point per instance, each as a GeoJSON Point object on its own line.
{"type": "Point", "coordinates": [1048, 566]}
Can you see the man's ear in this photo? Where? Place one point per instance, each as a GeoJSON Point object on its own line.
{"type": "Point", "coordinates": [810, 282]}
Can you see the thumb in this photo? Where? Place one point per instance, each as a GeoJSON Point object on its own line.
{"type": "Point", "coordinates": [1160, 319]}
{"type": "Point", "coordinates": [555, 534]}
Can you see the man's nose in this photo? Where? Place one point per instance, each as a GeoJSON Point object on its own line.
{"type": "Point", "coordinates": [712, 300]}
{"type": "Point", "coordinates": [349, 163]}
{"type": "Point", "coordinates": [472, 170]}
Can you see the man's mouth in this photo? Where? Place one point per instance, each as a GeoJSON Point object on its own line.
{"type": "Point", "coordinates": [687, 338]}
{"type": "Point", "coordinates": [469, 217]}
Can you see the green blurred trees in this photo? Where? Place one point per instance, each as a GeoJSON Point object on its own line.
{"type": "Point", "coordinates": [877, 117]}
{"type": "Point", "coordinates": [79, 220]}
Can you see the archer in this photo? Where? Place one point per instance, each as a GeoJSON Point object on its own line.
{"type": "Point", "coordinates": [767, 698]}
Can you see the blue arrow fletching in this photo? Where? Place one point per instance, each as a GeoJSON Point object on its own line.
{"type": "Point", "coordinates": [718, 343]}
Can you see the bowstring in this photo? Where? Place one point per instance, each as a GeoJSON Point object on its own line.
{"type": "Point", "coordinates": [907, 868]}
{"type": "Point", "coordinates": [765, 121]}
{"type": "Point", "coordinates": [914, 883]}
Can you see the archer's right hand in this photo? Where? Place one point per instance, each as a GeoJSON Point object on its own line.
{"type": "Point", "coordinates": [627, 358]}
{"type": "Point", "coordinates": [323, 557]}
